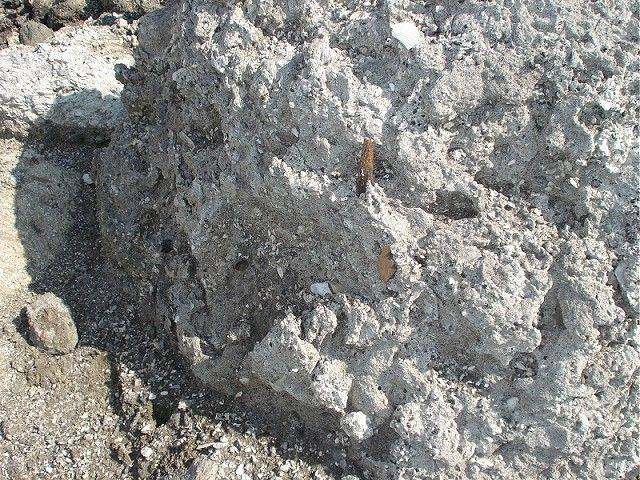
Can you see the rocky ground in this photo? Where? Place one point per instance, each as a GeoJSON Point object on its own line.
{"type": "Point", "coordinates": [35, 21]}
{"type": "Point", "coordinates": [120, 405]}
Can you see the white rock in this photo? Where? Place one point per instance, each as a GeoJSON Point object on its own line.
{"type": "Point", "coordinates": [146, 451]}
{"type": "Point", "coordinates": [357, 425]}
{"type": "Point", "coordinates": [407, 34]}
{"type": "Point", "coordinates": [70, 83]}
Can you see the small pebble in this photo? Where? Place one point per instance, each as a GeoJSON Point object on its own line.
{"type": "Point", "coordinates": [51, 327]}
{"type": "Point", "coordinates": [146, 452]}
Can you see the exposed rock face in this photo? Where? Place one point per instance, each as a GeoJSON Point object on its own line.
{"type": "Point", "coordinates": [130, 7]}
{"type": "Point", "coordinates": [473, 314]}
{"type": "Point", "coordinates": [51, 327]}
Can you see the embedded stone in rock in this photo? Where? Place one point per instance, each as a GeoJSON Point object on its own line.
{"type": "Point", "coordinates": [51, 326]}
{"type": "Point", "coordinates": [357, 425]}
{"type": "Point", "coordinates": [32, 33]}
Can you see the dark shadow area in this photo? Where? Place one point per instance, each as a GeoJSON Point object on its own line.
{"type": "Point", "coordinates": [55, 207]}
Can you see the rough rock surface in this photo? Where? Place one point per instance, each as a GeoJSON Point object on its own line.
{"type": "Point", "coordinates": [121, 405]}
{"type": "Point", "coordinates": [51, 327]}
{"type": "Point", "coordinates": [477, 307]}
{"type": "Point", "coordinates": [32, 33]}
{"type": "Point", "coordinates": [65, 87]}
{"type": "Point", "coordinates": [134, 8]}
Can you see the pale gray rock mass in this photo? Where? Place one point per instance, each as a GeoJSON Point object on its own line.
{"type": "Point", "coordinates": [67, 87]}
{"type": "Point", "coordinates": [500, 338]}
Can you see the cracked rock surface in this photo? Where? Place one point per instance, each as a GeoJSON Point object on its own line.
{"type": "Point", "coordinates": [473, 314]}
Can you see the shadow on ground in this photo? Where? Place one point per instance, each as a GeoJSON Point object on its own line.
{"type": "Point", "coordinates": [155, 398]}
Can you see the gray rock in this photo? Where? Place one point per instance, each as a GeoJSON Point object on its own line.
{"type": "Point", "coordinates": [66, 12]}
{"type": "Point", "coordinates": [6, 27]}
{"type": "Point", "coordinates": [40, 9]}
{"type": "Point", "coordinates": [51, 327]}
{"type": "Point", "coordinates": [32, 33]}
{"type": "Point", "coordinates": [490, 260]}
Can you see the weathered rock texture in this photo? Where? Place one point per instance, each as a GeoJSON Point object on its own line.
{"type": "Point", "coordinates": [474, 313]}
{"type": "Point", "coordinates": [32, 33]}
{"type": "Point", "coordinates": [65, 88]}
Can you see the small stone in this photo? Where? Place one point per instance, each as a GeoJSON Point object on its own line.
{"type": "Point", "coordinates": [386, 264]}
{"type": "Point", "coordinates": [86, 178]}
{"type": "Point", "coordinates": [51, 327]}
{"type": "Point", "coordinates": [146, 452]}
{"type": "Point", "coordinates": [32, 33]}
{"type": "Point", "coordinates": [146, 429]}
{"type": "Point", "coordinates": [407, 34]}
{"type": "Point", "coordinates": [357, 425]}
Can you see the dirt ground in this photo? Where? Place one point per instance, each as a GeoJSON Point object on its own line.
{"type": "Point", "coordinates": [119, 406]}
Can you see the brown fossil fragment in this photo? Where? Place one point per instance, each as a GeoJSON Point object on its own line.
{"type": "Point", "coordinates": [386, 264]}
{"type": "Point", "coordinates": [365, 167]}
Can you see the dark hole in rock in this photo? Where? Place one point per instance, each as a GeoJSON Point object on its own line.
{"type": "Point", "coordinates": [161, 412]}
{"type": "Point", "coordinates": [454, 205]}
{"type": "Point", "coordinates": [241, 265]}
{"type": "Point", "coordinates": [166, 246]}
